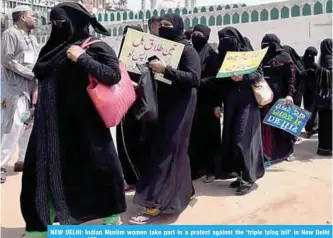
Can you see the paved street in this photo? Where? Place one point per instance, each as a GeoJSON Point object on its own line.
{"type": "Point", "coordinates": [298, 192]}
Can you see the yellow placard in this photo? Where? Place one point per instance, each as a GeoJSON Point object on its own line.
{"type": "Point", "coordinates": [241, 62]}
{"type": "Point", "coordinates": [139, 46]}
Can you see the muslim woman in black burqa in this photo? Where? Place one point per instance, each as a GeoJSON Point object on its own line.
{"type": "Point", "coordinates": [165, 185]}
{"type": "Point", "coordinates": [72, 172]}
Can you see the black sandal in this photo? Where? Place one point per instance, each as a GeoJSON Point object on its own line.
{"type": "Point", "coordinates": [3, 175]}
{"type": "Point", "coordinates": [244, 188]}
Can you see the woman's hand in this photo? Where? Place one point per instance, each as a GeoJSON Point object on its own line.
{"type": "Point", "coordinates": [218, 112]}
{"type": "Point", "coordinates": [237, 78]}
{"type": "Point", "coordinates": [74, 52]}
{"type": "Point", "coordinates": [289, 100]}
{"type": "Point", "coordinates": [157, 66]}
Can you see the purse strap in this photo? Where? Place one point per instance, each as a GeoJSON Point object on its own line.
{"type": "Point", "coordinates": [85, 45]}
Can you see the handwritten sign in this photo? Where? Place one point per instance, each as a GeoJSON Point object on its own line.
{"type": "Point", "coordinates": [291, 119]}
{"type": "Point", "coordinates": [241, 63]}
{"type": "Point", "coordinates": [139, 46]}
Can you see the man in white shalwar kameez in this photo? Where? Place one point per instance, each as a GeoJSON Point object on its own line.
{"type": "Point", "coordinates": [19, 52]}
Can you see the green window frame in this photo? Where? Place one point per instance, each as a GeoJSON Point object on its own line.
{"type": "Point", "coordinates": [219, 20]}
{"type": "Point", "coordinates": [285, 13]}
{"type": "Point", "coordinates": [264, 15]}
{"type": "Point", "coordinates": [306, 11]}
{"type": "Point", "coordinates": [254, 16]}
{"type": "Point", "coordinates": [245, 17]}
{"type": "Point", "coordinates": [203, 21]}
{"type": "Point", "coordinates": [211, 21]}
{"type": "Point", "coordinates": [235, 18]}
{"type": "Point", "coordinates": [226, 19]}
{"type": "Point", "coordinates": [329, 6]}
{"type": "Point", "coordinates": [318, 8]}
{"type": "Point", "coordinates": [195, 21]}
{"type": "Point", "coordinates": [295, 11]}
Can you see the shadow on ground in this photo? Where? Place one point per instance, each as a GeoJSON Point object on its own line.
{"type": "Point", "coordinates": [11, 232]}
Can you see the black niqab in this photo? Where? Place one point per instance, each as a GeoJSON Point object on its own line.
{"type": "Point", "coordinates": [295, 57]}
{"type": "Point", "coordinates": [200, 42]}
{"type": "Point", "coordinates": [73, 31]}
{"type": "Point", "coordinates": [230, 39]}
{"type": "Point", "coordinates": [274, 44]}
{"type": "Point", "coordinates": [325, 59]}
{"type": "Point", "coordinates": [309, 56]}
{"type": "Point", "coordinates": [177, 30]}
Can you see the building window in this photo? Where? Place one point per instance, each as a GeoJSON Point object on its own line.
{"type": "Point", "coordinates": [120, 31]}
{"type": "Point", "coordinates": [306, 10]}
{"type": "Point", "coordinates": [318, 8]}
{"type": "Point", "coordinates": [245, 17]}
{"type": "Point", "coordinates": [203, 21]}
{"type": "Point", "coordinates": [106, 17]}
{"type": "Point", "coordinates": [43, 20]}
{"type": "Point", "coordinates": [118, 16]}
{"type": "Point", "coordinates": [295, 11]}
{"type": "Point", "coordinates": [114, 32]}
{"type": "Point", "coordinates": [177, 11]}
{"type": "Point", "coordinates": [187, 23]}
{"type": "Point", "coordinates": [219, 8]}
{"type": "Point", "coordinates": [227, 7]}
{"type": "Point", "coordinates": [195, 10]}
{"type": "Point", "coordinates": [211, 21]}
{"type": "Point", "coordinates": [235, 18]}
{"type": "Point", "coordinates": [329, 6]}
{"type": "Point", "coordinates": [43, 39]}
{"type": "Point", "coordinates": [264, 15]}
{"type": "Point", "coordinates": [254, 16]}
{"type": "Point", "coordinates": [140, 15]}
{"type": "Point", "coordinates": [170, 11]}
{"type": "Point", "coordinates": [131, 15]}
{"type": "Point", "coordinates": [38, 40]}
{"type": "Point", "coordinates": [203, 9]}
{"type": "Point", "coordinates": [219, 20]}
{"type": "Point", "coordinates": [211, 8]}
{"type": "Point", "coordinates": [274, 14]}
{"type": "Point", "coordinates": [184, 11]}
{"type": "Point", "coordinates": [195, 21]}
{"type": "Point", "coordinates": [155, 13]}
{"type": "Point", "coordinates": [100, 17]}
{"type": "Point", "coordinates": [111, 17]}
{"type": "Point", "coordinates": [148, 14]}
{"type": "Point", "coordinates": [162, 12]}
{"type": "Point", "coordinates": [125, 16]}
{"type": "Point", "coordinates": [285, 12]}
{"type": "Point", "coordinates": [235, 6]}
{"type": "Point", "coordinates": [226, 19]}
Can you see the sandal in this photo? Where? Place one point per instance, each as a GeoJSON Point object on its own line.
{"type": "Point", "coordinates": [148, 216]}
{"type": "Point", "coordinates": [244, 188]}
{"type": "Point", "coordinates": [3, 175]}
{"type": "Point", "coordinates": [236, 184]}
{"type": "Point", "coordinates": [209, 179]}
{"type": "Point", "coordinates": [291, 158]}
{"type": "Point", "coordinates": [112, 220]}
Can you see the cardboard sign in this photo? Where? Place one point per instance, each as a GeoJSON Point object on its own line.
{"type": "Point", "coordinates": [241, 63]}
{"type": "Point", "coordinates": [291, 119]}
{"type": "Point", "coordinates": [139, 46]}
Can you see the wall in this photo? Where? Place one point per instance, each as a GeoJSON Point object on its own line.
{"type": "Point", "coordinates": [297, 32]}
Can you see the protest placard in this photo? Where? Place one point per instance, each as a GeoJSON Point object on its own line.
{"type": "Point", "coordinates": [139, 46]}
{"type": "Point", "coordinates": [291, 119]}
{"type": "Point", "coordinates": [240, 63]}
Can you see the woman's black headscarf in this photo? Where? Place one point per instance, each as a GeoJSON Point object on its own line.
{"type": "Point", "coordinates": [248, 42]}
{"type": "Point", "coordinates": [177, 32]}
{"type": "Point", "coordinates": [295, 57]}
{"type": "Point", "coordinates": [230, 39]}
{"type": "Point", "coordinates": [188, 33]}
{"type": "Point", "coordinates": [138, 28]}
{"type": "Point", "coordinates": [309, 56]}
{"type": "Point", "coordinates": [198, 41]}
{"type": "Point", "coordinates": [72, 28]}
{"type": "Point", "coordinates": [274, 44]}
{"type": "Point", "coordinates": [325, 59]}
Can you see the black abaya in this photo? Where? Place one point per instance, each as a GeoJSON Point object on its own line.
{"type": "Point", "coordinates": [206, 130]}
{"type": "Point", "coordinates": [71, 160]}
{"type": "Point", "coordinates": [242, 150]}
{"type": "Point", "coordinates": [165, 183]}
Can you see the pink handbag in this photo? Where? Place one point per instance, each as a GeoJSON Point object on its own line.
{"type": "Point", "coordinates": [111, 102]}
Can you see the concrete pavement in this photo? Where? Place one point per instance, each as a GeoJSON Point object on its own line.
{"type": "Point", "coordinates": [298, 192]}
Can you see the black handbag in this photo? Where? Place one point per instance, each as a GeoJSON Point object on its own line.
{"type": "Point", "coordinates": [146, 105]}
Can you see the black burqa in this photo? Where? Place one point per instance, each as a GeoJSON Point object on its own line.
{"type": "Point", "coordinates": [324, 87]}
{"type": "Point", "coordinates": [241, 149]}
{"type": "Point", "coordinates": [165, 182]}
{"type": "Point", "coordinates": [299, 74]}
{"type": "Point", "coordinates": [130, 139]}
{"type": "Point", "coordinates": [206, 130]}
{"type": "Point", "coordinates": [71, 160]}
{"type": "Point", "coordinates": [279, 72]}
{"type": "Point", "coordinates": [310, 83]}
